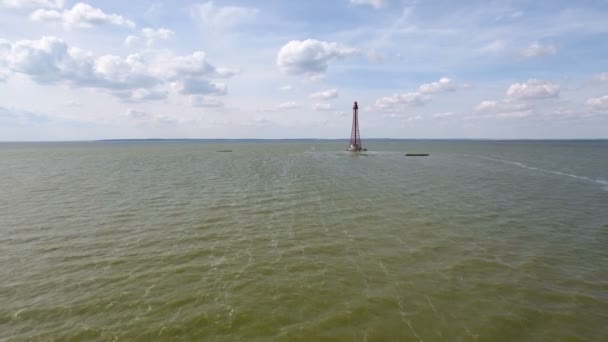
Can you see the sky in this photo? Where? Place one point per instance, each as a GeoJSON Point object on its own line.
{"type": "Point", "coordinates": [117, 69]}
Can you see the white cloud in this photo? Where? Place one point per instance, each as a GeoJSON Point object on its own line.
{"type": "Point", "coordinates": [493, 47]}
{"type": "Point", "coordinates": [81, 16]}
{"type": "Point", "coordinates": [514, 114]}
{"type": "Point", "coordinates": [537, 50]}
{"type": "Point", "coordinates": [310, 57]}
{"type": "Point", "coordinates": [205, 101]}
{"type": "Point", "coordinates": [131, 40]}
{"type": "Point", "coordinates": [602, 77]}
{"type": "Point", "coordinates": [192, 86]}
{"type": "Point", "coordinates": [288, 105]}
{"type": "Point", "coordinates": [503, 109]}
{"type": "Point", "coordinates": [142, 94]}
{"type": "Point", "coordinates": [322, 106]}
{"type": "Point", "coordinates": [131, 78]}
{"type": "Point", "coordinates": [224, 16]}
{"type": "Point", "coordinates": [444, 115]}
{"type": "Point", "coordinates": [287, 87]}
{"type": "Point", "coordinates": [33, 3]}
{"type": "Point", "coordinates": [46, 15]}
{"type": "Point", "coordinates": [444, 84]}
{"type": "Point", "coordinates": [150, 35]}
{"type": "Point", "coordinates": [141, 117]}
{"type": "Point", "coordinates": [486, 105]}
{"type": "Point", "coordinates": [397, 102]}
{"type": "Point", "coordinates": [48, 60]}
{"type": "Point", "coordinates": [136, 114]}
{"type": "Point", "coordinates": [325, 94]}
{"type": "Point", "coordinates": [533, 89]}
{"type": "Point", "coordinates": [196, 64]}
{"type": "Point", "coordinates": [598, 103]}
{"type": "Point", "coordinates": [153, 35]}
{"type": "Point", "coordinates": [374, 3]}
{"type": "Point", "coordinates": [114, 72]}
{"type": "Point", "coordinates": [519, 100]}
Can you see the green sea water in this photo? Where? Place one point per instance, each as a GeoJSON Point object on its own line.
{"type": "Point", "coordinates": [301, 241]}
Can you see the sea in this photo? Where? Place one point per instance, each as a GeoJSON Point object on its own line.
{"type": "Point", "coordinates": [299, 240]}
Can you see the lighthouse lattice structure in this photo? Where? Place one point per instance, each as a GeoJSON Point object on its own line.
{"type": "Point", "coordinates": [355, 135]}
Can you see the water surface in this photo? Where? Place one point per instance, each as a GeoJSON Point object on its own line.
{"type": "Point", "coordinates": [483, 240]}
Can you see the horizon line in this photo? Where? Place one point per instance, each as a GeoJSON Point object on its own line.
{"type": "Point", "coordinates": [301, 139]}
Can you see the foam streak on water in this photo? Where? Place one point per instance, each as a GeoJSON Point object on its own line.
{"type": "Point", "coordinates": [598, 181]}
{"type": "Point", "coordinates": [301, 241]}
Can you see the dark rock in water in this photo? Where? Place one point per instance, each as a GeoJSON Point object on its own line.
{"type": "Point", "coordinates": [417, 155]}
{"type": "Point", "coordinates": [224, 151]}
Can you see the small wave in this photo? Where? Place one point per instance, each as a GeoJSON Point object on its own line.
{"type": "Point", "coordinates": [597, 181]}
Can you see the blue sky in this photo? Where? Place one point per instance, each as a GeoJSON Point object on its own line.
{"type": "Point", "coordinates": [291, 69]}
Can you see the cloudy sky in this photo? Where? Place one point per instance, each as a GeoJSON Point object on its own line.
{"type": "Point", "coordinates": [292, 69]}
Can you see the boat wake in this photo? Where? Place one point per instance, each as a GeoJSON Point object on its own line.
{"type": "Point", "coordinates": [604, 183]}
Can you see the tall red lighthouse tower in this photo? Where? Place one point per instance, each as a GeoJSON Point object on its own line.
{"type": "Point", "coordinates": [355, 136]}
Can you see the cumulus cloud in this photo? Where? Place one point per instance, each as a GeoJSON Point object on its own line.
{"type": "Point", "coordinates": [131, 78]}
{"type": "Point", "coordinates": [374, 3]}
{"type": "Point", "coordinates": [325, 94]}
{"type": "Point", "coordinates": [322, 107]}
{"type": "Point", "coordinates": [398, 102]}
{"type": "Point", "coordinates": [503, 109]}
{"type": "Point", "coordinates": [537, 50]}
{"type": "Point", "coordinates": [191, 86]}
{"type": "Point", "coordinates": [141, 94]}
{"type": "Point", "coordinates": [598, 103]}
{"type": "Point", "coordinates": [533, 89]}
{"type": "Point", "coordinates": [33, 3]}
{"type": "Point", "coordinates": [444, 84]}
{"type": "Point", "coordinates": [310, 57]}
{"type": "Point", "coordinates": [519, 101]}
{"type": "Point", "coordinates": [131, 40]}
{"type": "Point", "coordinates": [287, 87]}
{"type": "Point", "coordinates": [152, 35]}
{"type": "Point", "coordinates": [486, 105]}
{"type": "Point", "coordinates": [81, 16]}
{"type": "Point", "coordinates": [48, 60]}
{"type": "Point", "coordinates": [225, 16]}
{"type": "Point", "coordinates": [196, 64]}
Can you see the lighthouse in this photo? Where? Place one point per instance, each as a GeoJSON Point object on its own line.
{"type": "Point", "coordinates": [355, 137]}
